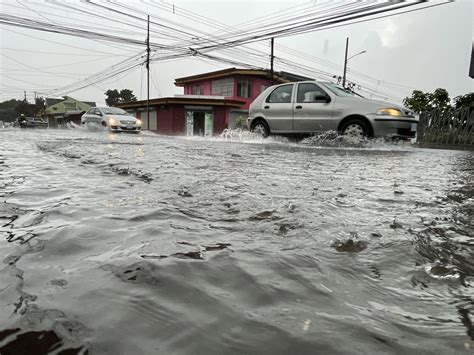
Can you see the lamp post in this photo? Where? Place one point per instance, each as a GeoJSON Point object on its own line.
{"type": "Point", "coordinates": [346, 60]}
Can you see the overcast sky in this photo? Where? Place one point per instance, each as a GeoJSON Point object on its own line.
{"type": "Point", "coordinates": [419, 50]}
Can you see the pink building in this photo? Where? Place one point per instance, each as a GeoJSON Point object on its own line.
{"type": "Point", "coordinates": [211, 102]}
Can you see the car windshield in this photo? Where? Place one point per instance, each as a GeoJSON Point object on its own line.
{"type": "Point", "coordinates": [114, 111]}
{"type": "Point", "coordinates": [340, 91]}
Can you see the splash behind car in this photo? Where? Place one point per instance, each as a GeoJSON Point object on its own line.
{"type": "Point", "coordinates": [113, 118]}
{"type": "Point", "coordinates": [313, 106]}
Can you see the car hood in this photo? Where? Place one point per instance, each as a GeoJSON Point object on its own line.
{"type": "Point", "coordinates": [371, 106]}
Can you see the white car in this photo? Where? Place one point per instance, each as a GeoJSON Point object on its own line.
{"type": "Point", "coordinates": [113, 118]}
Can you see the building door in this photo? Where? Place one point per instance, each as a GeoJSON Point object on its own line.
{"type": "Point", "coordinates": [153, 124]}
{"type": "Point", "coordinates": [208, 124]}
{"type": "Point", "coordinates": [189, 123]}
{"type": "Point", "coordinates": [199, 123]}
{"type": "Point", "coordinates": [144, 118]}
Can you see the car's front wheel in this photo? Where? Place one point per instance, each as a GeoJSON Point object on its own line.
{"type": "Point", "coordinates": [355, 128]}
{"type": "Point", "coordinates": [261, 128]}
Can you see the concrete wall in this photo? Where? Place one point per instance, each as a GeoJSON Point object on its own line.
{"type": "Point", "coordinates": [171, 120]}
{"type": "Point", "coordinates": [220, 119]}
{"type": "Point", "coordinates": [256, 89]}
{"type": "Point", "coordinates": [165, 120]}
{"type": "Point", "coordinates": [153, 124]}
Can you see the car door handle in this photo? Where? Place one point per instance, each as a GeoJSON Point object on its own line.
{"type": "Point", "coordinates": [266, 107]}
{"type": "Point", "coordinates": [298, 107]}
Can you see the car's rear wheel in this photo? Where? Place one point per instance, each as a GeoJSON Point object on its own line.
{"type": "Point", "coordinates": [355, 128]}
{"type": "Point", "coordinates": [261, 128]}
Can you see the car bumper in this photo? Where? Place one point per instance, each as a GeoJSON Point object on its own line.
{"type": "Point", "coordinates": [388, 126]}
{"type": "Point", "coordinates": [126, 128]}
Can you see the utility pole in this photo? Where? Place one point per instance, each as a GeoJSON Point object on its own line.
{"type": "Point", "coordinates": [25, 94]}
{"type": "Point", "coordinates": [345, 64]}
{"type": "Point", "coordinates": [148, 73]}
{"type": "Point", "coordinates": [271, 60]}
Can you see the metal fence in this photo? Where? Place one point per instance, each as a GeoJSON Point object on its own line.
{"type": "Point", "coordinates": [447, 127]}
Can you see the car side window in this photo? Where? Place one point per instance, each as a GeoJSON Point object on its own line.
{"type": "Point", "coordinates": [90, 111]}
{"type": "Point", "coordinates": [97, 112]}
{"type": "Point", "coordinates": [281, 94]}
{"type": "Point", "coordinates": [308, 93]}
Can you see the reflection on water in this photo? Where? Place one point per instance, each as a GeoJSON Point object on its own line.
{"type": "Point", "coordinates": [143, 244]}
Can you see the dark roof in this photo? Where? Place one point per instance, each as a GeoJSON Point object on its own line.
{"type": "Point", "coordinates": [293, 77]}
{"type": "Point", "coordinates": [183, 101]}
{"type": "Point", "coordinates": [279, 77]}
{"type": "Point", "coordinates": [73, 113]}
{"type": "Point", "coordinates": [52, 101]}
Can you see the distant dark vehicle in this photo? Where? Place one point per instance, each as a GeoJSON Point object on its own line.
{"type": "Point", "coordinates": [31, 122]}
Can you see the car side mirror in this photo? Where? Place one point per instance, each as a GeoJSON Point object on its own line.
{"type": "Point", "coordinates": [323, 98]}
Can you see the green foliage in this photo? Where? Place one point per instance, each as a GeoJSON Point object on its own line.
{"type": "Point", "coordinates": [115, 97]}
{"type": "Point", "coordinates": [10, 104]}
{"type": "Point", "coordinates": [463, 101]}
{"type": "Point", "coordinates": [420, 101]}
{"type": "Point", "coordinates": [7, 110]}
{"type": "Point", "coordinates": [127, 95]}
{"type": "Point", "coordinates": [27, 109]}
{"type": "Point", "coordinates": [40, 106]}
{"type": "Point", "coordinates": [241, 122]}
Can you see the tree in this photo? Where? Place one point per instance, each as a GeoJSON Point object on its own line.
{"type": "Point", "coordinates": [425, 101]}
{"type": "Point", "coordinates": [7, 110]}
{"type": "Point", "coordinates": [418, 102]}
{"type": "Point", "coordinates": [126, 95]}
{"type": "Point", "coordinates": [40, 106]}
{"type": "Point", "coordinates": [115, 97]}
{"type": "Point", "coordinates": [440, 99]}
{"type": "Point", "coordinates": [463, 101]}
{"type": "Point", "coordinates": [25, 108]}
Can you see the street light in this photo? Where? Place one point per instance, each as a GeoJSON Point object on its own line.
{"type": "Point", "coordinates": [356, 55]}
{"type": "Point", "coordinates": [345, 62]}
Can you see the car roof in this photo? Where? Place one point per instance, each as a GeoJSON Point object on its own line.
{"type": "Point", "coordinates": [305, 81]}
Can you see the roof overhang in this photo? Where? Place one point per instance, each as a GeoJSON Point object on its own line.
{"type": "Point", "coordinates": [182, 101]}
{"type": "Point", "coordinates": [279, 77]}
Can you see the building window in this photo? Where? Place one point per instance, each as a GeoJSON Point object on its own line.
{"type": "Point", "coordinates": [224, 87]}
{"type": "Point", "coordinates": [196, 90]}
{"type": "Point", "coordinates": [244, 88]}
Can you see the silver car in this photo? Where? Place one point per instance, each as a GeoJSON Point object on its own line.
{"type": "Point", "coordinates": [316, 106]}
{"type": "Point", "coordinates": [114, 118]}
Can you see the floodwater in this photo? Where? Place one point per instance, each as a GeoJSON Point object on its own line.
{"type": "Point", "coordinates": [143, 244]}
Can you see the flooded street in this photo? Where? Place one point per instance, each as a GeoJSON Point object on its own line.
{"type": "Point", "coordinates": [145, 244]}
